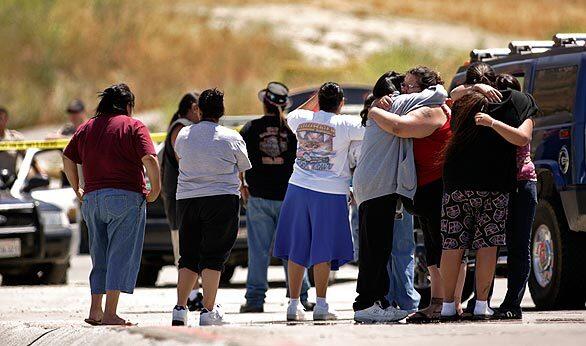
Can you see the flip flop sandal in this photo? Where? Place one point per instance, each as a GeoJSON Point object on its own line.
{"type": "Point", "coordinates": [93, 322]}
{"type": "Point", "coordinates": [421, 318]}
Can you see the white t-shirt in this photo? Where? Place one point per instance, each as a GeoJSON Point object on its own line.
{"type": "Point", "coordinates": [323, 142]}
{"type": "Point", "coordinates": [210, 158]}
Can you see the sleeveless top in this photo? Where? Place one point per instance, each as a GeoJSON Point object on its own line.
{"type": "Point", "coordinates": [169, 164]}
{"type": "Point", "coordinates": [428, 152]}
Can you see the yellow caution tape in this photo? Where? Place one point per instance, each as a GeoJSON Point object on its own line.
{"type": "Point", "coordinates": [56, 143]}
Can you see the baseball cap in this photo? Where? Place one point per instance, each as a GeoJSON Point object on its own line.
{"type": "Point", "coordinates": [75, 106]}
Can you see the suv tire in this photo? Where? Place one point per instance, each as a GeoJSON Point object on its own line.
{"type": "Point", "coordinates": [558, 261]}
{"type": "Point", "coordinates": [56, 274]}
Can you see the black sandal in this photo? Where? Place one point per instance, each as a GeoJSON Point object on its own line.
{"type": "Point", "coordinates": [421, 318]}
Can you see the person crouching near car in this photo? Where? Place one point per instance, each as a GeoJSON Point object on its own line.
{"type": "Point", "coordinates": [112, 148]}
{"type": "Point", "coordinates": [211, 157]}
{"type": "Point", "coordinates": [271, 147]}
{"type": "Point", "coordinates": [313, 228]}
{"type": "Point", "coordinates": [187, 114]}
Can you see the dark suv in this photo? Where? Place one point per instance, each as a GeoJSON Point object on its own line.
{"type": "Point", "coordinates": [35, 233]}
{"type": "Point", "coordinates": [554, 72]}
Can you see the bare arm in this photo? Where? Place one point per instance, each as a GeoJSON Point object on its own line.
{"type": "Point", "coordinates": [70, 169]}
{"type": "Point", "coordinates": [243, 188]}
{"type": "Point", "coordinates": [151, 163]}
{"type": "Point", "coordinates": [491, 93]}
{"type": "Point", "coordinates": [174, 134]}
{"type": "Point", "coordinates": [520, 136]}
{"type": "Point", "coordinates": [418, 123]}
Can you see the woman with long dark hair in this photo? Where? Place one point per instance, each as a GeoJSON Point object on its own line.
{"type": "Point", "coordinates": [480, 174]}
{"type": "Point", "coordinates": [523, 199]}
{"type": "Point", "coordinates": [113, 148]}
{"type": "Point", "coordinates": [187, 114]}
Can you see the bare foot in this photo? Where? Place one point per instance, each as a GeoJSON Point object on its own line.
{"type": "Point", "coordinates": [96, 315]}
{"type": "Point", "coordinates": [115, 321]}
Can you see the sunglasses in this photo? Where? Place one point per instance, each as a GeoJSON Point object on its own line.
{"type": "Point", "coordinates": [410, 86]}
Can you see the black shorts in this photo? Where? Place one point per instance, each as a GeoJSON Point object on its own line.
{"type": "Point", "coordinates": [427, 207]}
{"type": "Point", "coordinates": [208, 227]}
{"type": "Point", "coordinates": [474, 219]}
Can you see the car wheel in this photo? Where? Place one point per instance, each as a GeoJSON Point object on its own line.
{"type": "Point", "coordinates": [227, 274]}
{"type": "Point", "coordinates": [56, 274]}
{"type": "Point", "coordinates": [558, 260]}
{"type": "Point", "coordinates": [148, 275]}
{"type": "Point", "coordinates": [20, 279]}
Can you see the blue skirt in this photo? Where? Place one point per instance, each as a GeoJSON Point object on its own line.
{"type": "Point", "coordinates": [314, 228]}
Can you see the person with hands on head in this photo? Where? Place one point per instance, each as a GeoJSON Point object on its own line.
{"type": "Point", "coordinates": [112, 148]}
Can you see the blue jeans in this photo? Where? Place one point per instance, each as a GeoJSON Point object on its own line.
{"type": "Point", "coordinates": [524, 204]}
{"type": "Point", "coordinates": [262, 216]}
{"type": "Point", "coordinates": [116, 220]}
{"type": "Point", "coordinates": [402, 264]}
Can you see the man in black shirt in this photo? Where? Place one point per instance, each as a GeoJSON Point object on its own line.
{"type": "Point", "coordinates": [271, 147]}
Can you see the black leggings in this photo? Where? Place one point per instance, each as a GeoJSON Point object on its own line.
{"type": "Point", "coordinates": [427, 207]}
{"type": "Point", "coordinates": [376, 220]}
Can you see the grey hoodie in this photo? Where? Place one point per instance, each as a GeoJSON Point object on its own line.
{"type": "Point", "coordinates": [386, 164]}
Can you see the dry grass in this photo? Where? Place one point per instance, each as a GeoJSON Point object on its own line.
{"type": "Point", "coordinates": [62, 49]}
{"type": "Point", "coordinates": [55, 50]}
{"type": "Point", "coordinates": [535, 19]}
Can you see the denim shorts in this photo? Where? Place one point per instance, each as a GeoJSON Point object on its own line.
{"type": "Point", "coordinates": [116, 221]}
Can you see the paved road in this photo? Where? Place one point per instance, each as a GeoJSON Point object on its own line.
{"type": "Point", "coordinates": [53, 315]}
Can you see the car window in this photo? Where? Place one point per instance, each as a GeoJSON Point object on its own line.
{"type": "Point", "coordinates": [48, 164]}
{"type": "Point", "coordinates": [555, 93]}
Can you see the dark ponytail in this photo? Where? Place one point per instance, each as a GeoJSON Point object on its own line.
{"type": "Point", "coordinates": [115, 100]}
{"type": "Point", "coordinates": [387, 84]}
{"type": "Point", "coordinates": [480, 72]}
{"type": "Point", "coordinates": [185, 105]}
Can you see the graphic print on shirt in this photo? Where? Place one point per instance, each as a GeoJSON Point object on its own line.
{"type": "Point", "coordinates": [272, 144]}
{"type": "Point", "coordinates": [316, 146]}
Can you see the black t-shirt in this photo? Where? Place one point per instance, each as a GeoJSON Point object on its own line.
{"type": "Point", "coordinates": [488, 161]}
{"type": "Point", "coordinates": [271, 147]}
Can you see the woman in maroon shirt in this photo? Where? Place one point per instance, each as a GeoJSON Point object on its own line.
{"type": "Point", "coordinates": [112, 148]}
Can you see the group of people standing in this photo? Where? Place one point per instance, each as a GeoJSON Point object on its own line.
{"type": "Point", "coordinates": [461, 166]}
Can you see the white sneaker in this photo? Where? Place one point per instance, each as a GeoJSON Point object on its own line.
{"type": "Point", "coordinates": [295, 313]}
{"type": "Point", "coordinates": [324, 313]}
{"type": "Point", "coordinates": [376, 313]}
{"type": "Point", "coordinates": [400, 314]}
{"type": "Point", "coordinates": [179, 316]}
{"type": "Point", "coordinates": [212, 318]}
